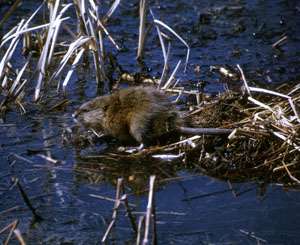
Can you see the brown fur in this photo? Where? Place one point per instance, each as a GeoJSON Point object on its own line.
{"type": "Point", "coordinates": [140, 114]}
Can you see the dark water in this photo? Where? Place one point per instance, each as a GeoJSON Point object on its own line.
{"type": "Point", "coordinates": [61, 192]}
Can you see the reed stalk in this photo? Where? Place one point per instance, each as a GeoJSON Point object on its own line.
{"type": "Point", "coordinates": [88, 38]}
{"type": "Point", "coordinates": [158, 22]}
{"type": "Point", "coordinates": [142, 36]}
{"type": "Point", "coordinates": [115, 212]}
{"type": "Point", "coordinates": [10, 12]}
{"type": "Point", "coordinates": [139, 232]}
{"type": "Point", "coordinates": [150, 212]}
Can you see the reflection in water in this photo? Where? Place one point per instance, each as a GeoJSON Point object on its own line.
{"type": "Point", "coordinates": [134, 170]}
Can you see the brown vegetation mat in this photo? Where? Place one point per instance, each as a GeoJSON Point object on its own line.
{"type": "Point", "coordinates": [270, 149]}
{"type": "Point", "coordinates": [265, 145]}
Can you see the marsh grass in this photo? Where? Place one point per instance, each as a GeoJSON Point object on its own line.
{"type": "Point", "coordinates": [83, 42]}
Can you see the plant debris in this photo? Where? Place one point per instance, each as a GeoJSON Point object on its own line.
{"type": "Point", "coordinates": [266, 149]}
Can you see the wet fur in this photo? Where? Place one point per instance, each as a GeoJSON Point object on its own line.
{"type": "Point", "coordinates": [136, 114]}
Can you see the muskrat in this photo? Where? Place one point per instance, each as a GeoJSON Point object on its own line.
{"type": "Point", "coordinates": [136, 114]}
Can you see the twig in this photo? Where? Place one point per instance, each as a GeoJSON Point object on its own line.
{"type": "Point", "coordinates": [108, 35]}
{"type": "Point", "coordinates": [27, 202]}
{"type": "Point", "coordinates": [251, 234]}
{"type": "Point", "coordinates": [244, 79]}
{"type": "Point", "coordinates": [208, 194]}
{"type": "Point", "coordinates": [254, 101]}
{"type": "Point", "coordinates": [13, 226]}
{"type": "Point", "coordinates": [279, 42]}
{"type": "Point", "coordinates": [288, 171]}
{"type": "Point", "coordinates": [289, 98]}
{"type": "Point", "coordinates": [9, 52]}
{"type": "Point", "coordinates": [9, 210]}
{"type": "Point", "coordinates": [19, 157]}
{"type": "Point", "coordinates": [48, 158]}
{"type": "Point", "coordinates": [8, 226]}
{"type": "Point", "coordinates": [111, 199]}
{"type": "Point", "coordinates": [284, 166]}
{"type": "Point", "coordinates": [230, 186]}
{"type": "Point", "coordinates": [162, 212]}
{"type": "Point", "coordinates": [60, 104]}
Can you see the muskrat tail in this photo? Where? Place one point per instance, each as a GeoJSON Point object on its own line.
{"type": "Point", "coordinates": [208, 131]}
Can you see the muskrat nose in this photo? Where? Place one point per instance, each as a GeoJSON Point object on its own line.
{"type": "Point", "coordinates": [74, 117]}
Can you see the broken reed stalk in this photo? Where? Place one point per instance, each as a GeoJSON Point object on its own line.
{"type": "Point", "coordinates": [71, 70]}
{"type": "Point", "coordinates": [160, 39]}
{"type": "Point", "coordinates": [18, 234]}
{"type": "Point", "coordinates": [10, 50]}
{"type": "Point", "coordinates": [27, 201]}
{"type": "Point", "coordinates": [286, 168]}
{"type": "Point", "coordinates": [43, 58]}
{"type": "Point", "coordinates": [140, 226]}
{"type": "Point", "coordinates": [110, 11]}
{"type": "Point", "coordinates": [156, 21]}
{"type": "Point", "coordinates": [282, 118]}
{"type": "Point", "coordinates": [96, 49]}
{"type": "Point", "coordinates": [251, 234]}
{"type": "Point", "coordinates": [108, 35]}
{"type": "Point", "coordinates": [13, 226]}
{"type": "Point", "coordinates": [14, 230]}
{"type": "Point", "coordinates": [47, 40]}
{"type": "Point", "coordinates": [105, 198]}
{"type": "Point", "coordinates": [115, 212]}
{"type": "Point", "coordinates": [142, 35]}
{"type": "Point", "coordinates": [149, 213]}
{"type": "Point", "coordinates": [128, 211]}
{"type": "Point", "coordinates": [87, 14]}
{"type": "Point", "coordinates": [244, 79]}
{"type": "Point", "coordinates": [166, 54]}
{"type": "Point", "coordinates": [273, 115]}
{"type": "Point", "coordinates": [172, 77]}
{"type": "Point", "coordinates": [118, 201]}
{"type": "Point", "coordinates": [289, 173]}
{"type": "Point", "coordinates": [279, 42]}
{"type": "Point", "coordinates": [162, 78]}
{"type": "Point", "coordinates": [154, 236]}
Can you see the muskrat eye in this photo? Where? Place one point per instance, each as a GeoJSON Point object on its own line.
{"type": "Point", "coordinates": [79, 111]}
{"type": "Point", "coordinates": [105, 108]}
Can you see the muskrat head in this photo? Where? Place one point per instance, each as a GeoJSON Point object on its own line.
{"type": "Point", "coordinates": [92, 114]}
